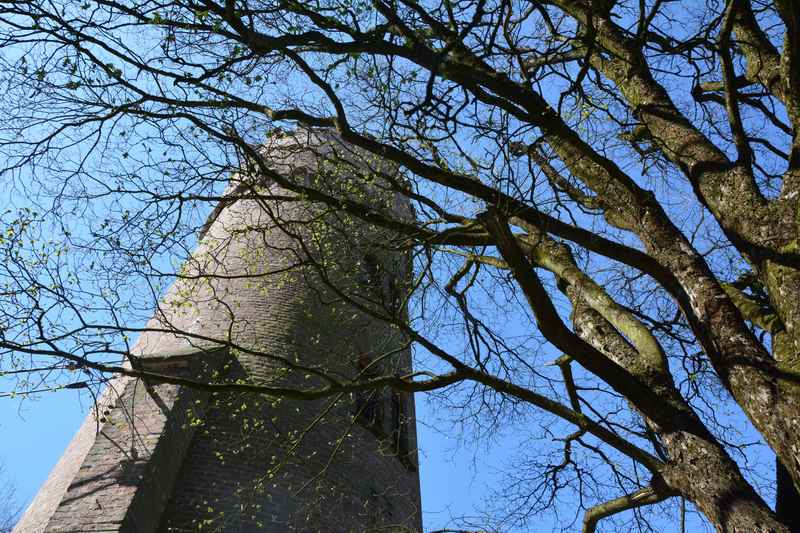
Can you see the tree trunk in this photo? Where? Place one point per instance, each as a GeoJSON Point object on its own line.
{"type": "Point", "coordinates": [708, 477]}
{"type": "Point", "coordinates": [787, 499]}
{"type": "Point", "coordinates": [698, 466]}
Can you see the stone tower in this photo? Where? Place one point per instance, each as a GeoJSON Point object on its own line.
{"type": "Point", "coordinates": [281, 294]}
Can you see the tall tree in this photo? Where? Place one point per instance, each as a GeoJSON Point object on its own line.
{"type": "Point", "coordinates": [610, 185]}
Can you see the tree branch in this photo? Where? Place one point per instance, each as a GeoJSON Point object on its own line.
{"type": "Point", "coordinates": [645, 496]}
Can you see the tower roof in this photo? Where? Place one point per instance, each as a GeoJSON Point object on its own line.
{"type": "Point", "coordinates": [305, 151]}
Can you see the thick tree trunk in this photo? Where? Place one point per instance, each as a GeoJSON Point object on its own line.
{"type": "Point", "coordinates": [787, 499]}
{"type": "Point", "coordinates": [753, 224]}
{"type": "Point", "coordinates": [709, 478]}
{"type": "Point", "coordinates": [783, 287]}
{"type": "Point", "coordinates": [698, 467]}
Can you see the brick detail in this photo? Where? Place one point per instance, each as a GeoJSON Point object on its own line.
{"type": "Point", "coordinates": [247, 462]}
{"type": "Point", "coordinates": [138, 440]}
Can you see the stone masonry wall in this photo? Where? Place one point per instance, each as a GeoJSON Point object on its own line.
{"type": "Point", "coordinates": [171, 459]}
{"type": "Point", "coordinates": [270, 464]}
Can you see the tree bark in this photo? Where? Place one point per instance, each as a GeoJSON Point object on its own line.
{"type": "Point", "coordinates": [698, 467]}
{"type": "Point", "coordinates": [787, 499]}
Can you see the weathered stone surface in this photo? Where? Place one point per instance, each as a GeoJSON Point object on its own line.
{"type": "Point", "coordinates": [240, 462]}
{"type": "Point", "coordinates": [118, 471]}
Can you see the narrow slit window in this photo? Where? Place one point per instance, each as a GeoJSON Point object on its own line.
{"type": "Point", "coordinates": [371, 272]}
{"type": "Point", "coordinates": [368, 412]}
{"type": "Point", "coordinates": [368, 405]}
{"type": "Point", "coordinates": [401, 440]}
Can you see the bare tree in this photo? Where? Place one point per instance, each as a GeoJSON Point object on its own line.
{"type": "Point", "coordinates": [606, 196]}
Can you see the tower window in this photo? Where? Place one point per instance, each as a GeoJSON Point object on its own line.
{"type": "Point", "coordinates": [401, 440]}
{"type": "Point", "coordinates": [368, 411]}
{"type": "Point", "coordinates": [386, 416]}
{"type": "Point", "coordinates": [380, 282]}
{"type": "Point", "coordinates": [368, 408]}
{"type": "Point", "coordinates": [371, 273]}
